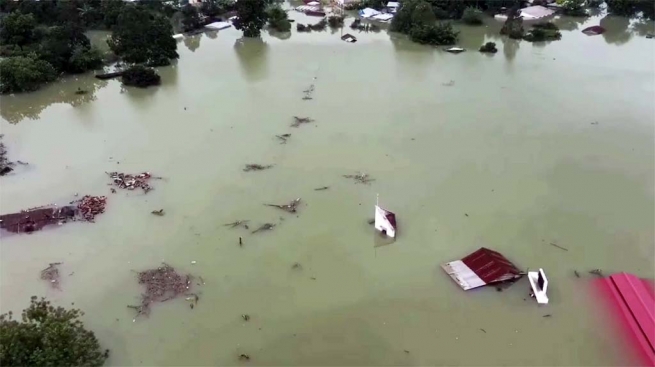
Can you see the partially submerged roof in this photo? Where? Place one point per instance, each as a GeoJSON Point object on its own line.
{"type": "Point", "coordinates": [368, 12]}
{"type": "Point", "coordinates": [481, 268]}
{"type": "Point", "coordinates": [384, 17]}
{"type": "Point", "coordinates": [218, 25]}
{"type": "Point", "coordinates": [536, 12]}
{"type": "Point", "coordinates": [593, 30]}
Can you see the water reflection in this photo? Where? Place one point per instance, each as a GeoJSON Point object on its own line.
{"type": "Point", "coordinates": [510, 47]}
{"type": "Point", "coordinates": [413, 59]}
{"type": "Point", "coordinates": [616, 29]}
{"type": "Point", "coordinates": [643, 27]}
{"type": "Point", "coordinates": [192, 42]}
{"type": "Point", "coordinates": [16, 108]}
{"type": "Point", "coordinates": [279, 35]}
{"type": "Point", "coordinates": [569, 23]}
{"type": "Point", "coordinates": [252, 54]}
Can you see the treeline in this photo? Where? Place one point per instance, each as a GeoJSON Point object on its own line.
{"type": "Point", "coordinates": [42, 39]}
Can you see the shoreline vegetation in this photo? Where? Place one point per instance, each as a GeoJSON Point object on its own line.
{"type": "Point", "coordinates": [41, 40]}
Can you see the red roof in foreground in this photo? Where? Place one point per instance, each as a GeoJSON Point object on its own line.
{"type": "Point", "coordinates": [634, 301]}
{"type": "Point", "coordinates": [491, 266]}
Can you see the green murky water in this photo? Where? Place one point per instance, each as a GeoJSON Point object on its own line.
{"type": "Point", "coordinates": [507, 139]}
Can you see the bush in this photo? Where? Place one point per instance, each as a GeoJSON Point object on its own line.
{"type": "Point", "coordinates": [48, 336]}
{"type": "Point", "coordinates": [141, 77]}
{"type": "Point", "coordinates": [436, 34]}
{"type": "Point", "coordinates": [335, 21]}
{"type": "Point", "coordinates": [489, 47]}
{"type": "Point", "coordinates": [472, 16]}
{"type": "Point", "coordinates": [540, 34]}
{"type": "Point", "coordinates": [24, 74]}
{"type": "Point", "coordinates": [84, 59]}
{"type": "Point", "coordinates": [278, 18]}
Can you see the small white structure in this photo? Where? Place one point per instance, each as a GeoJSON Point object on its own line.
{"type": "Point", "coordinates": [455, 50]}
{"type": "Point", "coordinates": [217, 26]}
{"type": "Point", "coordinates": [384, 17]}
{"type": "Point", "coordinates": [313, 3]}
{"type": "Point", "coordinates": [539, 284]}
{"type": "Point", "coordinates": [368, 12]}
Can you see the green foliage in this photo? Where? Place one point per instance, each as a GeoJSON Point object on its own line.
{"type": "Point", "coordinates": [17, 29]}
{"type": "Point", "coordinates": [141, 77]}
{"type": "Point", "coordinates": [278, 18]}
{"type": "Point", "coordinates": [374, 4]}
{"type": "Point", "coordinates": [190, 18]}
{"type": "Point", "coordinates": [594, 4]}
{"type": "Point", "coordinates": [140, 36]}
{"type": "Point", "coordinates": [111, 9]}
{"type": "Point", "coordinates": [212, 8]}
{"type": "Point", "coordinates": [574, 8]}
{"type": "Point", "coordinates": [422, 14]}
{"type": "Point", "coordinates": [472, 16]}
{"type": "Point", "coordinates": [453, 9]}
{"type": "Point", "coordinates": [513, 26]}
{"type": "Point", "coordinates": [543, 32]}
{"type": "Point", "coordinates": [441, 33]}
{"type": "Point", "coordinates": [251, 17]}
{"type": "Point", "coordinates": [407, 16]}
{"type": "Point", "coordinates": [632, 8]}
{"type": "Point", "coordinates": [58, 45]}
{"type": "Point", "coordinates": [84, 59]}
{"type": "Point", "coordinates": [335, 21]}
{"type": "Point", "coordinates": [48, 336]}
{"type": "Point", "coordinates": [489, 47]}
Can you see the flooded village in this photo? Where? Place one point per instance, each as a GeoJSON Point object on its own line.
{"type": "Point", "coordinates": [331, 182]}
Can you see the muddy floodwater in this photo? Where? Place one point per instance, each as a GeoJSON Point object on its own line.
{"type": "Point", "coordinates": [537, 144]}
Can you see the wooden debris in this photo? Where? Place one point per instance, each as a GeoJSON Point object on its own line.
{"type": "Point", "coordinates": [296, 266]}
{"type": "Point", "coordinates": [291, 207]}
{"type": "Point", "coordinates": [238, 223]}
{"type": "Point", "coordinates": [577, 275]}
{"type": "Point", "coordinates": [90, 206]}
{"type": "Point", "coordinates": [362, 178]}
{"type": "Point", "coordinates": [244, 357]}
{"type": "Point", "coordinates": [321, 188]}
{"type": "Point", "coordinates": [597, 272]}
{"type": "Point", "coordinates": [301, 120]}
{"type": "Point", "coordinates": [548, 315]}
{"type": "Point", "coordinates": [264, 227]}
{"type": "Point", "coordinates": [256, 167]}
{"type": "Point", "coordinates": [283, 138]}
{"type": "Point", "coordinates": [371, 221]}
{"type": "Point", "coordinates": [159, 213]}
{"type": "Point", "coordinates": [51, 274]}
{"type": "Point", "coordinates": [483, 330]}
{"type": "Point", "coordinates": [308, 93]}
{"type": "Point", "coordinates": [558, 246]}
{"type": "Point", "coordinates": [162, 284]}
{"type": "Point", "coordinates": [245, 317]}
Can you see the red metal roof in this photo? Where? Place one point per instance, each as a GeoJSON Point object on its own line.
{"type": "Point", "coordinates": [491, 266]}
{"type": "Point", "coordinates": [634, 299]}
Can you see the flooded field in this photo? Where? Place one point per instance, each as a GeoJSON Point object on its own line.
{"type": "Point", "coordinates": [538, 144]}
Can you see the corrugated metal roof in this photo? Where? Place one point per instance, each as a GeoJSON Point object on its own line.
{"type": "Point", "coordinates": [480, 268]}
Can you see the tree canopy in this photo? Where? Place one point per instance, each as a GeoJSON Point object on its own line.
{"type": "Point", "coordinates": [417, 19]}
{"type": "Point", "coordinates": [141, 36]}
{"type": "Point", "coordinates": [24, 74]}
{"type": "Point", "coordinates": [48, 336]}
{"type": "Point", "coordinates": [251, 17]}
{"type": "Point", "coordinates": [17, 28]}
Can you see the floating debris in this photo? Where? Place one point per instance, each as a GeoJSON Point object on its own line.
{"type": "Point", "coordinates": [256, 167]}
{"type": "Point", "coordinates": [162, 284]}
{"type": "Point", "coordinates": [51, 274]}
{"type": "Point", "coordinates": [237, 224]}
{"type": "Point", "coordinates": [5, 165]}
{"type": "Point", "coordinates": [81, 91]}
{"type": "Point", "coordinates": [309, 91]}
{"type": "Point", "coordinates": [34, 219]}
{"type": "Point", "coordinates": [90, 206]}
{"type": "Point", "coordinates": [131, 182]}
{"type": "Point", "coordinates": [371, 221]}
{"type": "Point", "coordinates": [577, 275]}
{"type": "Point", "coordinates": [296, 266]}
{"type": "Point", "coordinates": [159, 213]}
{"type": "Point", "coordinates": [558, 246]}
{"type": "Point", "coordinates": [244, 357]}
{"type": "Point", "coordinates": [362, 178]}
{"type": "Point", "coordinates": [301, 120]}
{"type": "Point", "coordinates": [482, 267]}
{"type": "Point", "coordinates": [448, 84]}
{"type": "Point", "coordinates": [597, 272]}
{"type": "Point", "coordinates": [264, 227]}
{"type": "Point", "coordinates": [291, 207]}
{"type": "Point", "coordinates": [322, 188]}
{"type": "Point", "coordinates": [548, 315]}
{"type": "Point", "coordinates": [385, 222]}
{"type": "Point", "coordinates": [539, 285]}
{"type": "Point", "coordinates": [245, 317]}
{"type": "Point", "coordinates": [283, 138]}
{"type": "Point", "coordinates": [240, 241]}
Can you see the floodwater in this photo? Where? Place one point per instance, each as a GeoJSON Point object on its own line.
{"type": "Point", "coordinates": [538, 144]}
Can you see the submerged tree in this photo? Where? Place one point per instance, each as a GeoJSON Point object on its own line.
{"type": "Point", "coordinates": [48, 336]}
{"type": "Point", "coordinates": [472, 16]}
{"type": "Point", "coordinates": [24, 74]}
{"type": "Point", "coordinates": [278, 18]}
{"type": "Point", "coordinates": [251, 17]}
{"type": "Point", "coordinates": [17, 28]}
{"type": "Point", "coordinates": [140, 36]}
{"type": "Point", "coordinates": [190, 18]}
{"type": "Point", "coordinates": [575, 8]}
{"type": "Point", "coordinates": [141, 76]}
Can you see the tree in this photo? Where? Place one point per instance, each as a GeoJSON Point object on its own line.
{"type": "Point", "coordinates": [48, 336]}
{"type": "Point", "coordinates": [402, 21]}
{"type": "Point", "coordinates": [472, 16]}
{"type": "Point", "coordinates": [17, 29]}
{"type": "Point", "coordinates": [438, 34]}
{"type": "Point", "coordinates": [278, 18]}
{"type": "Point", "coordinates": [212, 8]}
{"type": "Point", "coordinates": [111, 9]}
{"type": "Point", "coordinates": [23, 74]}
{"type": "Point", "coordinates": [61, 43]}
{"type": "Point", "coordinates": [142, 37]}
{"type": "Point", "coordinates": [141, 77]}
{"type": "Point", "coordinates": [574, 8]}
{"type": "Point", "coordinates": [190, 18]}
{"type": "Point", "coordinates": [251, 17]}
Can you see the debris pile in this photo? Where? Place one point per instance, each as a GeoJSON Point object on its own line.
{"type": "Point", "coordinates": [131, 182]}
{"type": "Point", "coordinates": [163, 284]}
{"type": "Point", "coordinates": [256, 167]}
{"type": "Point", "coordinates": [264, 227]}
{"type": "Point", "coordinates": [159, 213]}
{"type": "Point", "coordinates": [5, 165]}
{"type": "Point", "coordinates": [362, 178]}
{"type": "Point", "coordinates": [31, 220]}
{"type": "Point", "coordinates": [51, 274]}
{"type": "Point", "coordinates": [283, 138]}
{"type": "Point", "coordinates": [308, 93]}
{"type": "Point", "coordinates": [301, 120]}
{"type": "Point", "coordinates": [238, 223]}
{"type": "Point", "coordinates": [291, 207]}
{"type": "Point", "coordinates": [90, 206]}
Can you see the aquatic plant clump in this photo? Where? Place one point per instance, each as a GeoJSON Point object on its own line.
{"type": "Point", "coordinates": [543, 32]}
{"type": "Point", "coordinates": [162, 284]}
